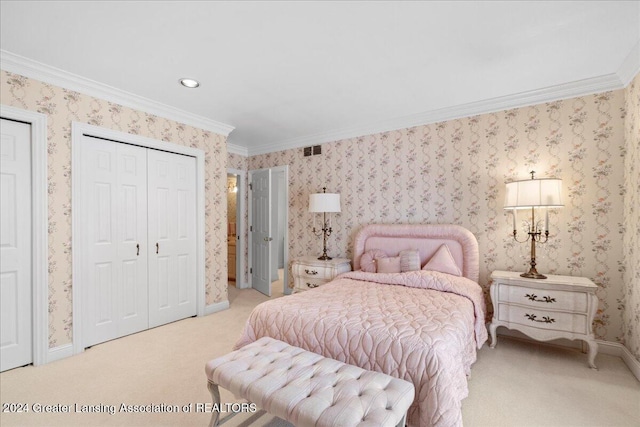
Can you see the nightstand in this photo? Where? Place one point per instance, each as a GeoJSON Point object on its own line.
{"type": "Point", "coordinates": [309, 272]}
{"type": "Point", "coordinates": [545, 309]}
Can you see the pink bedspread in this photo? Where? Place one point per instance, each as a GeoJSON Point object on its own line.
{"type": "Point", "coordinates": [420, 326]}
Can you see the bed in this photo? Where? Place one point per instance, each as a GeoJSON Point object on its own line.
{"type": "Point", "coordinates": [421, 326]}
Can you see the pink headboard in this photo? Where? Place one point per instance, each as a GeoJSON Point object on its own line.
{"type": "Point", "coordinates": [426, 238]}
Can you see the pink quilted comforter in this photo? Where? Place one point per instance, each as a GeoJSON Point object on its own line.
{"type": "Point", "coordinates": [421, 326]}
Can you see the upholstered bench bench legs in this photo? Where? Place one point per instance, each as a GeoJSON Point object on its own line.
{"type": "Point", "coordinates": [307, 389]}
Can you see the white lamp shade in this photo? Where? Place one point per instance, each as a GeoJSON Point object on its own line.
{"type": "Point", "coordinates": [531, 193]}
{"type": "Point", "coordinates": [324, 202]}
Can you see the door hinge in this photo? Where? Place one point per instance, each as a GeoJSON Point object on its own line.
{"type": "Point", "coordinates": [250, 186]}
{"type": "Point", "coordinates": [251, 271]}
{"type": "Point", "coordinates": [251, 228]}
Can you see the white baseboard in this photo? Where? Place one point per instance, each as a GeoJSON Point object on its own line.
{"type": "Point", "coordinates": [617, 349]}
{"type": "Point", "coordinates": [59, 352]}
{"type": "Point", "coordinates": [214, 308]}
{"type": "Point", "coordinates": [604, 347]}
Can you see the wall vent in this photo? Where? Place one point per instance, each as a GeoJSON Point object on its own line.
{"type": "Point", "coordinates": [312, 151]}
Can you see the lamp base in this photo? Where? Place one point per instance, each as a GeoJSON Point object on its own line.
{"type": "Point", "coordinates": [533, 275]}
{"type": "Point", "coordinates": [324, 257]}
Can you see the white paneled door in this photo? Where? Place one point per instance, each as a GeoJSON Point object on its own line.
{"type": "Point", "coordinates": [138, 228]}
{"type": "Point", "coordinates": [172, 233]}
{"type": "Point", "coordinates": [15, 245]}
{"type": "Point", "coordinates": [115, 220]}
{"type": "Point", "coordinates": [261, 238]}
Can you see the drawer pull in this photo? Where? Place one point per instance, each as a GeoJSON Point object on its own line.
{"type": "Point", "coordinates": [310, 272]}
{"type": "Point", "coordinates": [546, 298]}
{"type": "Point", "coordinates": [312, 285]}
{"type": "Point", "coordinates": [534, 318]}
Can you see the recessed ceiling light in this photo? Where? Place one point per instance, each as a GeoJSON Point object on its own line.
{"type": "Point", "coordinates": [190, 83]}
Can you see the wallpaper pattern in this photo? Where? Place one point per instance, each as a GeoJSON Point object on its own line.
{"type": "Point", "coordinates": [631, 268]}
{"type": "Point", "coordinates": [62, 107]}
{"type": "Point", "coordinates": [455, 172]}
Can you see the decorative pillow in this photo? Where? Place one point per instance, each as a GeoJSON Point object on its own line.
{"type": "Point", "coordinates": [389, 265]}
{"type": "Point", "coordinates": [443, 262]}
{"type": "Point", "coordinates": [409, 260]}
{"type": "Point", "coordinates": [368, 260]}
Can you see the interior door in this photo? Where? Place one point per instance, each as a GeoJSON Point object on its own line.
{"type": "Point", "coordinates": [261, 238]}
{"type": "Point", "coordinates": [114, 216]}
{"type": "Point", "coordinates": [15, 245]}
{"type": "Point", "coordinates": [172, 237]}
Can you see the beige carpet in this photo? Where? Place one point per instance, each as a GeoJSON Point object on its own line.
{"type": "Point", "coordinates": [516, 384]}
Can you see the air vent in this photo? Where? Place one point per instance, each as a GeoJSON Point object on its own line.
{"type": "Point", "coordinates": [312, 151]}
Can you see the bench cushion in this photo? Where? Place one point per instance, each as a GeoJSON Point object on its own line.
{"type": "Point", "coordinates": [307, 389]}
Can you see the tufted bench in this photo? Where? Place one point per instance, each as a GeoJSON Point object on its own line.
{"type": "Point", "coordinates": [307, 389]}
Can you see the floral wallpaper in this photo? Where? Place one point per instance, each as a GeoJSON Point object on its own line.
{"type": "Point", "coordinates": [630, 301]}
{"type": "Point", "coordinates": [455, 172]}
{"type": "Point", "coordinates": [64, 106]}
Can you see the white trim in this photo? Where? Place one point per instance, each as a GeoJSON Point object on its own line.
{"type": "Point", "coordinates": [237, 149]}
{"type": "Point", "coordinates": [39, 228]}
{"type": "Point", "coordinates": [630, 66]}
{"type": "Point", "coordinates": [36, 70]}
{"type": "Point", "coordinates": [215, 307]}
{"type": "Point", "coordinates": [241, 177]}
{"type": "Point", "coordinates": [77, 131]}
{"type": "Point", "coordinates": [604, 347]}
{"type": "Point", "coordinates": [617, 349]}
{"type": "Point", "coordinates": [539, 96]}
{"type": "Point", "coordinates": [59, 352]}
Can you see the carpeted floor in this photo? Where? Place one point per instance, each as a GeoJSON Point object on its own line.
{"type": "Point", "coordinates": [516, 384]}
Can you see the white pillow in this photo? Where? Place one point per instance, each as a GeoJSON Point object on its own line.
{"type": "Point", "coordinates": [409, 260]}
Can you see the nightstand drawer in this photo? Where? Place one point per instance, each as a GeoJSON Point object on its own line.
{"type": "Point", "coordinates": [543, 298]}
{"type": "Point", "coordinates": [313, 271]}
{"type": "Point", "coordinates": [542, 319]}
{"type": "Point", "coordinates": [304, 284]}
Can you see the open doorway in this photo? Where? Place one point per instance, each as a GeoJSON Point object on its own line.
{"type": "Point", "coordinates": [232, 232]}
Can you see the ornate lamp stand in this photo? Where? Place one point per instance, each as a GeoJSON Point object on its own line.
{"type": "Point", "coordinates": [534, 234]}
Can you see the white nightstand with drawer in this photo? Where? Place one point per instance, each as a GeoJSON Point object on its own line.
{"type": "Point", "coordinates": [309, 272]}
{"type": "Point", "coordinates": [545, 309]}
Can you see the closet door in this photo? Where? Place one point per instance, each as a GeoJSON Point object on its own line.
{"type": "Point", "coordinates": [15, 245]}
{"type": "Point", "coordinates": [172, 228]}
{"type": "Point", "coordinates": [114, 230]}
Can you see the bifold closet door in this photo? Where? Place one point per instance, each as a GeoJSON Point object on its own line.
{"type": "Point", "coordinates": [15, 245]}
{"type": "Point", "coordinates": [114, 229]}
{"type": "Point", "coordinates": [172, 237]}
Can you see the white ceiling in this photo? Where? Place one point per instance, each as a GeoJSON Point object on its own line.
{"type": "Point", "coordinates": [287, 74]}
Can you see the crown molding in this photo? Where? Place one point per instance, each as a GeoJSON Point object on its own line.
{"type": "Point", "coordinates": [540, 96]}
{"type": "Point", "coordinates": [36, 70]}
{"type": "Point", "coordinates": [237, 149]}
{"type": "Point", "coordinates": [630, 66]}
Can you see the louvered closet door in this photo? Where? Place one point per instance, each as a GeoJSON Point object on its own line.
{"type": "Point", "coordinates": [172, 229]}
{"type": "Point", "coordinates": [114, 210]}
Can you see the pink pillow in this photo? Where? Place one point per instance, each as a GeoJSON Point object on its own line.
{"type": "Point", "coordinates": [443, 262]}
{"type": "Point", "coordinates": [409, 260]}
{"type": "Point", "coordinates": [389, 265]}
{"type": "Point", "coordinates": [368, 260]}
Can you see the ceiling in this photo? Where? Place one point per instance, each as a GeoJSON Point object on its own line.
{"type": "Point", "coordinates": [286, 74]}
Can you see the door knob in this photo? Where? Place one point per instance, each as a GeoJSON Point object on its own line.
{"type": "Point", "coordinates": [268, 239]}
